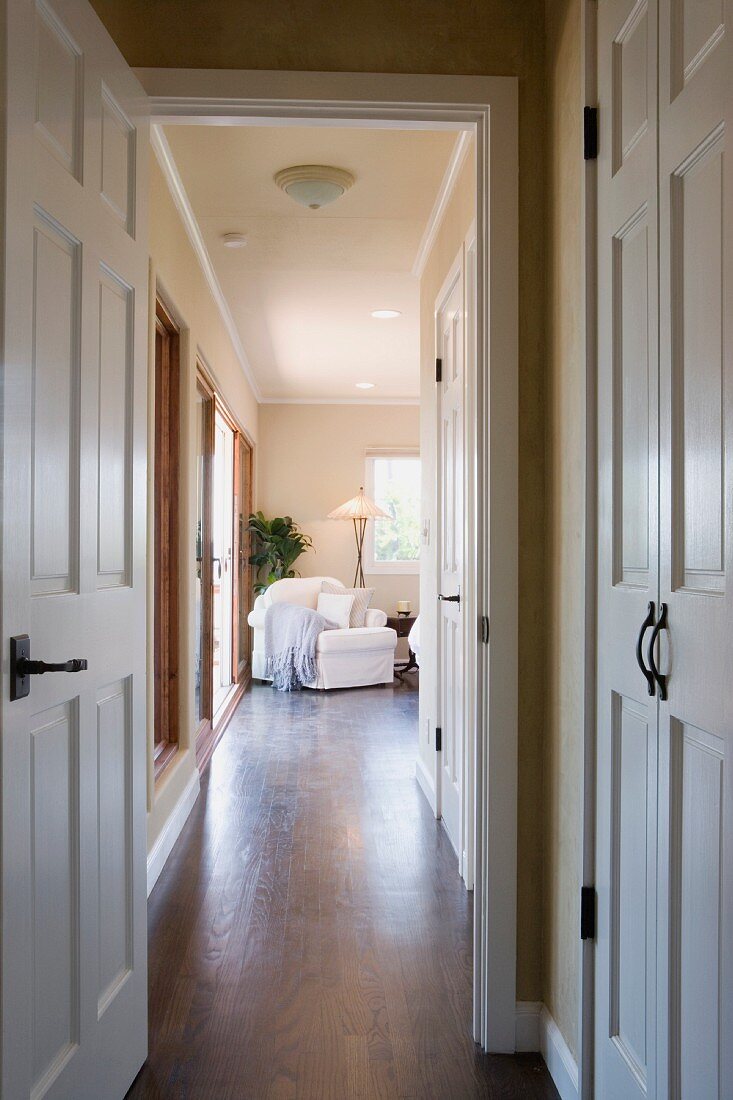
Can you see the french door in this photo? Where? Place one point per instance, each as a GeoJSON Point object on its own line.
{"type": "Point", "coordinates": [74, 455]}
{"type": "Point", "coordinates": [664, 971]}
{"type": "Point", "coordinates": [223, 579]}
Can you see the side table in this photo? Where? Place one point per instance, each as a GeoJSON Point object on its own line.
{"type": "Point", "coordinates": [403, 625]}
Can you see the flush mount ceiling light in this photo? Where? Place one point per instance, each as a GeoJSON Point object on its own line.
{"type": "Point", "coordinates": [385, 314]}
{"type": "Point", "coordinates": [314, 185]}
{"type": "Point", "coordinates": [234, 240]}
{"type": "Point", "coordinates": [365, 385]}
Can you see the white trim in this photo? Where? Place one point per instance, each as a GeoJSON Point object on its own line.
{"type": "Point", "coordinates": [171, 831]}
{"type": "Point", "coordinates": [339, 400]}
{"type": "Point", "coordinates": [488, 107]}
{"type": "Point", "coordinates": [527, 1028]}
{"type": "Point", "coordinates": [165, 159]}
{"type": "Point", "coordinates": [586, 869]}
{"type": "Point", "coordinates": [558, 1059]}
{"type": "Point", "coordinates": [445, 191]}
{"type": "Point", "coordinates": [536, 1031]}
{"type": "Point", "coordinates": [426, 783]}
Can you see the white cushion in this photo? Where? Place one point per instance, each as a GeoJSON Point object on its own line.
{"type": "Point", "coordinates": [300, 590]}
{"type": "Point", "coordinates": [362, 599]}
{"type": "Point", "coordinates": [335, 608]}
{"type": "Point", "coordinates": [364, 639]}
{"type": "Point", "coordinates": [375, 617]}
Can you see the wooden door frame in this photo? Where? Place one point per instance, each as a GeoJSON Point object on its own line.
{"type": "Point", "coordinates": [166, 536]}
{"type": "Point", "coordinates": [487, 107]}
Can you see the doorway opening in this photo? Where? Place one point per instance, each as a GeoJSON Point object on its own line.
{"type": "Point", "coordinates": [488, 677]}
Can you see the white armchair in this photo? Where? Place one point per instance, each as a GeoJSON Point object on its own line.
{"type": "Point", "coordinates": [355, 657]}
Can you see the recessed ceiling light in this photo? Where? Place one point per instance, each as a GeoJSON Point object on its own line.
{"type": "Point", "coordinates": [365, 385]}
{"type": "Point", "coordinates": [385, 314]}
{"type": "Point", "coordinates": [234, 240]}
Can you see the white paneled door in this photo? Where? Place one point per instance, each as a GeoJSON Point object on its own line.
{"type": "Point", "coordinates": [450, 317]}
{"type": "Point", "coordinates": [74, 1017]}
{"type": "Point", "coordinates": [664, 978]}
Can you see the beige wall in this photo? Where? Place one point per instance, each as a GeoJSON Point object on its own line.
{"type": "Point", "coordinates": [311, 459]}
{"type": "Point", "coordinates": [565, 442]}
{"type": "Point", "coordinates": [181, 284]}
{"type": "Point", "coordinates": [496, 37]}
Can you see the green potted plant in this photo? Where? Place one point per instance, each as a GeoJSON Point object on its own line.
{"type": "Point", "coordinates": [278, 543]}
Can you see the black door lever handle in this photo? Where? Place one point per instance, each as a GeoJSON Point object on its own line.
{"type": "Point", "coordinates": [27, 667]}
{"type": "Point", "coordinates": [449, 599]}
{"type": "Point", "coordinates": [22, 667]}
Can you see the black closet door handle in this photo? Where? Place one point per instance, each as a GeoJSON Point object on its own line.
{"type": "Point", "coordinates": [648, 676]}
{"type": "Point", "coordinates": [660, 624]}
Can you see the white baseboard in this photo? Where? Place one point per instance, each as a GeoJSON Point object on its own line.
{"type": "Point", "coordinates": [170, 832]}
{"type": "Point", "coordinates": [527, 1027]}
{"type": "Point", "coordinates": [537, 1031]}
{"type": "Point", "coordinates": [426, 782]}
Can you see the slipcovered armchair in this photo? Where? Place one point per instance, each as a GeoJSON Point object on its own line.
{"type": "Point", "coordinates": [353, 657]}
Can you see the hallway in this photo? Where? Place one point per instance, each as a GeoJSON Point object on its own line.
{"type": "Point", "coordinates": [309, 936]}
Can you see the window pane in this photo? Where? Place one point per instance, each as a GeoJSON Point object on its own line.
{"type": "Point", "coordinates": [397, 491]}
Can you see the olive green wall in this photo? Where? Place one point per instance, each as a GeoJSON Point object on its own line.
{"type": "Point", "coordinates": [494, 37]}
{"type": "Point", "coordinates": [565, 509]}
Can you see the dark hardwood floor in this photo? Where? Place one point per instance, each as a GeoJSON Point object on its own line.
{"type": "Point", "coordinates": [309, 936]}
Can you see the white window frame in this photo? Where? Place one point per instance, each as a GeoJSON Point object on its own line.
{"type": "Point", "coordinates": [385, 568]}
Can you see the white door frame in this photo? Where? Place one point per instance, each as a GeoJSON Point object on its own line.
{"type": "Point", "coordinates": [488, 107]}
{"type": "Point", "coordinates": [587, 825]}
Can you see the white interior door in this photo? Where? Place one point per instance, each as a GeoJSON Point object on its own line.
{"type": "Point", "coordinates": [74, 984]}
{"type": "Point", "coordinates": [665, 306]}
{"type": "Point", "coordinates": [628, 548]}
{"type": "Point", "coordinates": [695, 956]}
{"type": "Point", "coordinates": [451, 351]}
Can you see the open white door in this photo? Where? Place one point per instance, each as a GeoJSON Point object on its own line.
{"type": "Point", "coordinates": [451, 352]}
{"type": "Point", "coordinates": [75, 304]}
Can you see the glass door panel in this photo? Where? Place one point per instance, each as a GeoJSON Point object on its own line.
{"type": "Point", "coordinates": [223, 541]}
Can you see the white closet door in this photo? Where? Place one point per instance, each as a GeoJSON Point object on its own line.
{"type": "Point", "coordinates": [696, 544]}
{"type": "Point", "coordinates": [451, 349]}
{"type": "Point", "coordinates": [75, 341]}
{"type": "Point", "coordinates": [628, 549]}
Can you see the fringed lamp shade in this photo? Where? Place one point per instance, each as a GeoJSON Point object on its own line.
{"type": "Point", "coordinates": [359, 509]}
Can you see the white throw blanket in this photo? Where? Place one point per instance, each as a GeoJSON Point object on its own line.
{"type": "Point", "coordinates": [291, 636]}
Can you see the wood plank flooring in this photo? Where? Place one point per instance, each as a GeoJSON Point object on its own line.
{"type": "Point", "coordinates": [310, 938]}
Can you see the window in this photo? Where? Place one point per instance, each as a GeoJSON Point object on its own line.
{"type": "Point", "coordinates": [393, 482]}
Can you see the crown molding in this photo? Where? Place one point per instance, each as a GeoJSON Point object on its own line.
{"type": "Point", "coordinates": [339, 400]}
{"type": "Point", "coordinates": [447, 187]}
{"type": "Point", "coordinates": [166, 160]}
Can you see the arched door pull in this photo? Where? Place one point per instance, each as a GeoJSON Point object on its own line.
{"type": "Point", "coordinates": [660, 624]}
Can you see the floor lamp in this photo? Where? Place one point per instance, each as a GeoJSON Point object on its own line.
{"type": "Point", "coordinates": [359, 509]}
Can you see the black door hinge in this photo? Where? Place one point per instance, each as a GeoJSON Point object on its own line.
{"type": "Point", "coordinates": [438, 370]}
{"type": "Point", "coordinates": [485, 629]}
{"type": "Point", "coordinates": [587, 913]}
{"type": "Point", "coordinates": [438, 739]}
{"type": "Point", "coordinates": [590, 133]}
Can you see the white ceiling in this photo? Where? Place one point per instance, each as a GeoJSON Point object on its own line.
{"type": "Point", "coordinates": [302, 290]}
